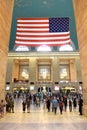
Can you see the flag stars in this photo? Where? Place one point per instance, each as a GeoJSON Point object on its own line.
{"type": "Point", "coordinates": [59, 24]}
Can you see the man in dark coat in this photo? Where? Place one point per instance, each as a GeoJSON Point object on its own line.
{"type": "Point", "coordinates": [80, 105]}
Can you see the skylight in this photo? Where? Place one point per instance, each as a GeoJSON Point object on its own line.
{"type": "Point", "coordinates": [66, 48]}
{"type": "Point", "coordinates": [22, 48]}
{"type": "Point", "coordinates": [44, 48]}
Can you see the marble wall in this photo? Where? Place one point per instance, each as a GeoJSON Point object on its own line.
{"type": "Point", "coordinates": [80, 8]}
{"type": "Point", "coordinates": [6, 8]}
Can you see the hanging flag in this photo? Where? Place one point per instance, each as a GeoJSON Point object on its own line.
{"type": "Point", "coordinates": [42, 31]}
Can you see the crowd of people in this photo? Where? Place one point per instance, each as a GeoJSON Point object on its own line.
{"type": "Point", "coordinates": [62, 102]}
{"type": "Point", "coordinates": [50, 101]}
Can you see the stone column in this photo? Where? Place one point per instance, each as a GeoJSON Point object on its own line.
{"type": "Point", "coordinates": [32, 70]}
{"type": "Point", "coordinates": [9, 70]}
{"type": "Point", "coordinates": [56, 71]}
{"type": "Point", "coordinates": [9, 73]}
{"type": "Point", "coordinates": [73, 71]}
{"type": "Point", "coordinates": [80, 8]}
{"type": "Point", "coordinates": [78, 70]}
{"type": "Point", "coordinates": [6, 8]}
{"type": "Point", "coordinates": [15, 74]}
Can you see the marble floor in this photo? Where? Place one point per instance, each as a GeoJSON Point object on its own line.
{"type": "Point", "coordinates": [40, 119]}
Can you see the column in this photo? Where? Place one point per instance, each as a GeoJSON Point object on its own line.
{"type": "Point", "coordinates": [56, 76]}
{"type": "Point", "coordinates": [73, 71]}
{"type": "Point", "coordinates": [78, 69]}
{"type": "Point", "coordinates": [6, 8]}
{"type": "Point", "coordinates": [32, 70]}
{"type": "Point", "coordinates": [9, 72]}
{"type": "Point", "coordinates": [15, 73]}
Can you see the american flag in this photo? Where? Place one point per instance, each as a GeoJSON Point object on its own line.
{"type": "Point", "coordinates": [42, 31]}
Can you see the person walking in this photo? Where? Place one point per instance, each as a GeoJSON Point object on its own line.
{"type": "Point", "coordinates": [60, 106]}
{"type": "Point", "coordinates": [48, 104]}
{"type": "Point", "coordinates": [80, 105]}
{"type": "Point", "coordinates": [70, 105]}
{"type": "Point", "coordinates": [74, 103]}
{"type": "Point", "coordinates": [55, 104]}
{"type": "Point", "coordinates": [24, 105]}
{"type": "Point", "coordinates": [11, 105]}
{"type": "Point", "coordinates": [28, 102]}
{"type": "Point", "coordinates": [65, 103]}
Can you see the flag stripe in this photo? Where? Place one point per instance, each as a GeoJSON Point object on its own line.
{"type": "Point", "coordinates": [40, 37]}
{"type": "Point", "coordinates": [38, 26]}
{"type": "Point", "coordinates": [32, 19]}
{"type": "Point", "coordinates": [43, 34]}
{"type": "Point", "coordinates": [31, 22]}
{"type": "Point", "coordinates": [45, 43]}
{"type": "Point", "coordinates": [52, 44]}
{"type": "Point", "coordinates": [43, 40]}
{"type": "Point", "coordinates": [31, 31]}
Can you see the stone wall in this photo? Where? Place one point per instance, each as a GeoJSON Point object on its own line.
{"type": "Point", "coordinates": [80, 7]}
{"type": "Point", "coordinates": [6, 8]}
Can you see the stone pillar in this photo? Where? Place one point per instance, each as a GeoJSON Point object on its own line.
{"type": "Point", "coordinates": [73, 71]}
{"type": "Point", "coordinates": [80, 8]}
{"type": "Point", "coordinates": [6, 8]}
{"type": "Point", "coordinates": [32, 70]}
{"type": "Point", "coordinates": [56, 76]}
{"type": "Point", "coordinates": [78, 69]}
{"type": "Point", "coordinates": [9, 72]}
{"type": "Point", "coordinates": [15, 73]}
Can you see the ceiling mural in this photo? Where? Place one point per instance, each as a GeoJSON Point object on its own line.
{"type": "Point", "coordinates": [43, 9]}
